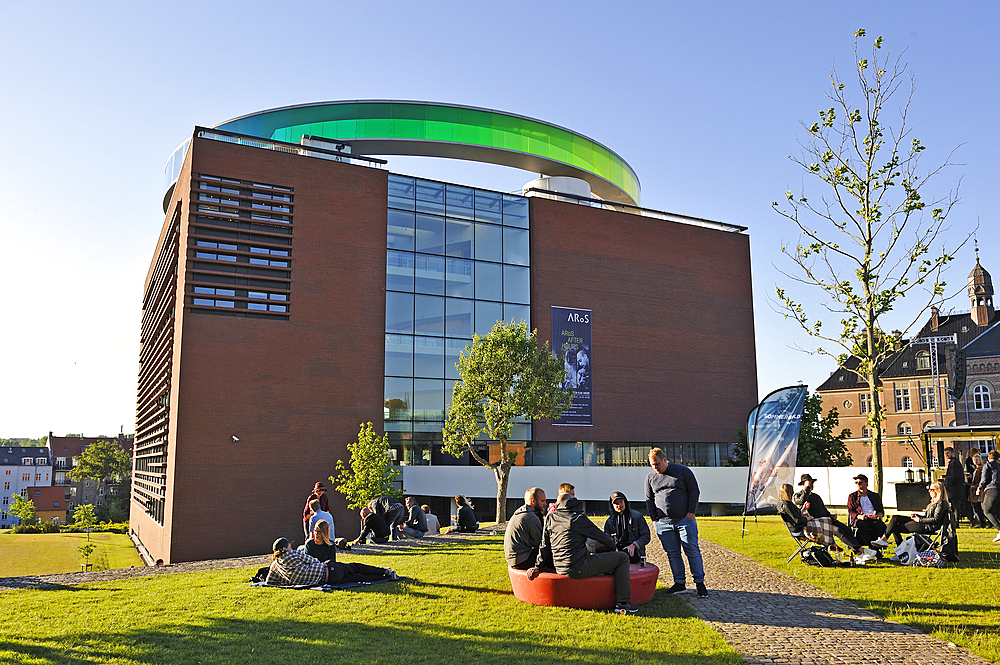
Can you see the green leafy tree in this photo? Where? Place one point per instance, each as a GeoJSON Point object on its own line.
{"type": "Point", "coordinates": [85, 517]}
{"type": "Point", "coordinates": [370, 474]}
{"type": "Point", "coordinates": [86, 550]}
{"type": "Point", "coordinates": [739, 455]}
{"type": "Point", "coordinates": [24, 509]}
{"type": "Point", "coordinates": [818, 445]}
{"type": "Point", "coordinates": [101, 461]}
{"type": "Point", "coordinates": [504, 376]}
{"type": "Point", "coordinates": [872, 238]}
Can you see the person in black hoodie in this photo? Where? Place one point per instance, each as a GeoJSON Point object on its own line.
{"type": "Point", "coordinates": [628, 528]}
{"type": "Point", "coordinates": [564, 543]}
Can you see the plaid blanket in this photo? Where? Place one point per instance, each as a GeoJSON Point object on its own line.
{"type": "Point", "coordinates": [820, 530]}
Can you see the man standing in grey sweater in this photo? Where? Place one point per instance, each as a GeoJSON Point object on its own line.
{"type": "Point", "coordinates": [671, 500]}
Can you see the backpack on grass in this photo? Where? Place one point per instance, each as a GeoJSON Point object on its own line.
{"type": "Point", "coordinates": [815, 556]}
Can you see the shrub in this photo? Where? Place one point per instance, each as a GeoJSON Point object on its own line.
{"type": "Point", "coordinates": [26, 528]}
{"type": "Point", "coordinates": [48, 527]}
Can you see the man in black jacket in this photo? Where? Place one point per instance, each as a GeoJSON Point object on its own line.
{"type": "Point", "coordinates": [523, 536]}
{"type": "Point", "coordinates": [628, 527]}
{"type": "Point", "coordinates": [812, 504]}
{"type": "Point", "coordinates": [389, 510]}
{"type": "Point", "coordinates": [373, 528]}
{"type": "Point", "coordinates": [564, 542]}
{"type": "Point", "coordinates": [954, 484]}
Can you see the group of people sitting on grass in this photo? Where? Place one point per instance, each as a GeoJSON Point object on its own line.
{"type": "Point", "coordinates": [315, 563]}
{"type": "Point", "coordinates": [804, 512]}
{"type": "Point", "coordinates": [385, 519]}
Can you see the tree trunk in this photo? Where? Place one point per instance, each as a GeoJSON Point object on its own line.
{"type": "Point", "coordinates": [873, 390]}
{"type": "Point", "coordinates": [502, 473]}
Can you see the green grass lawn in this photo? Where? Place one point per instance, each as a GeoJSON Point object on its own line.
{"type": "Point", "coordinates": [455, 608]}
{"type": "Point", "coordinates": [957, 603]}
{"type": "Point", "coordinates": [49, 553]}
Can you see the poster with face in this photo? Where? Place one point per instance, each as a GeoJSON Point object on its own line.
{"type": "Point", "coordinates": [571, 343]}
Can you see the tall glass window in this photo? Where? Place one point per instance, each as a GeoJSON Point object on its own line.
{"type": "Point", "coordinates": [457, 262]}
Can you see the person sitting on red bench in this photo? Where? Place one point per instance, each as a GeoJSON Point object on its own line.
{"type": "Point", "coordinates": [564, 543]}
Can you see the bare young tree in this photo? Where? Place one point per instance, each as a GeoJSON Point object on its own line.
{"type": "Point", "coordinates": [871, 238]}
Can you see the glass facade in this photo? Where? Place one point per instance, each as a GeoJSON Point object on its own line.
{"type": "Point", "coordinates": [457, 262]}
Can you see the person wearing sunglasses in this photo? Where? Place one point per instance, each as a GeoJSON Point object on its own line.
{"type": "Point", "coordinates": [865, 511]}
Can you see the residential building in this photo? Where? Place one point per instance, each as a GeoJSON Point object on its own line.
{"type": "Point", "coordinates": [87, 491]}
{"type": "Point", "coordinates": [299, 288]}
{"type": "Point", "coordinates": [21, 468]}
{"type": "Point", "coordinates": [50, 505]}
{"type": "Point", "coordinates": [907, 390]}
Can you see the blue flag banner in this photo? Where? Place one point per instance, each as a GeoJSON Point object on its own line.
{"type": "Point", "coordinates": [571, 344]}
{"type": "Point", "coordinates": [773, 444]}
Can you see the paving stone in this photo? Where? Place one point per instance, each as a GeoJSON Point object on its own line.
{"type": "Point", "coordinates": [771, 617]}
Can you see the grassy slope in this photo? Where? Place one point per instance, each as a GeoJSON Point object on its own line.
{"type": "Point", "coordinates": [49, 553]}
{"type": "Point", "coordinates": [957, 603]}
{"type": "Point", "coordinates": [456, 608]}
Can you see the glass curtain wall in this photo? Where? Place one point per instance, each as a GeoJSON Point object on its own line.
{"type": "Point", "coordinates": [457, 262]}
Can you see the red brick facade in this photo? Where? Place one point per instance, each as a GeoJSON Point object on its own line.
{"type": "Point", "coordinates": [673, 340]}
{"type": "Point", "coordinates": [293, 392]}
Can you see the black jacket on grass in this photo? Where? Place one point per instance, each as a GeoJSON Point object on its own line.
{"type": "Point", "coordinates": [564, 537]}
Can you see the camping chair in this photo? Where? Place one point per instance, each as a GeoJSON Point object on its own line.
{"type": "Point", "coordinates": [945, 541]}
{"type": "Point", "coordinates": [802, 541]}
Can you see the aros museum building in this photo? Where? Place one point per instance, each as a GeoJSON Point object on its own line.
{"type": "Point", "coordinates": [300, 286]}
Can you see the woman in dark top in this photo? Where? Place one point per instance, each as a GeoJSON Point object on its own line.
{"type": "Point", "coordinates": [930, 522]}
{"type": "Point", "coordinates": [801, 523]}
{"type": "Point", "coordinates": [319, 546]}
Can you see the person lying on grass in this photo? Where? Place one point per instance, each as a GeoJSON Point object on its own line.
{"type": "Point", "coordinates": [290, 567]}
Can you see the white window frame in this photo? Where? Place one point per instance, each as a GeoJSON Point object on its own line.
{"type": "Point", "coordinates": [981, 400]}
{"type": "Point", "coordinates": [865, 403]}
{"type": "Point", "coordinates": [902, 399]}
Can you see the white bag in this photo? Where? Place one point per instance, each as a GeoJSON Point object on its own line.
{"type": "Point", "coordinates": [906, 552]}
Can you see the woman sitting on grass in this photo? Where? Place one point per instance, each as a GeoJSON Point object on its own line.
{"type": "Point", "coordinates": [934, 517]}
{"type": "Point", "coordinates": [319, 546]}
{"type": "Point", "coordinates": [294, 568]}
{"type": "Point", "coordinates": [817, 529]}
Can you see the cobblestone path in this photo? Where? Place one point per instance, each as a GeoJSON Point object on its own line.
{"type": "Point", "coordinates": [771, 617]}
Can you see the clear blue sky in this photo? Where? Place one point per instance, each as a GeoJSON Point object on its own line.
{"type": "Point", "coordinates": [702, 99]}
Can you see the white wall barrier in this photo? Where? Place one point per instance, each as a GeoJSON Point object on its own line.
{"type": "Point", "coordinates": [596, 483]}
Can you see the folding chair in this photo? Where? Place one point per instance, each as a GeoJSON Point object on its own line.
{"type": "Point", "coordinates": [801, 540]}
{"type": "Point", "coordinates": [805, 542]}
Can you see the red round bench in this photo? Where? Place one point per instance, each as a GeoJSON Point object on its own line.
{"type": "Point", "coordinates": [588, 593]}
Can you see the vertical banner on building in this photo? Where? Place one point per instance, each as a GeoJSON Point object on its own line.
{"type": "Point", "coordinates": [571, 344]}
{"type": "Point", "coordinates": [773, 444]}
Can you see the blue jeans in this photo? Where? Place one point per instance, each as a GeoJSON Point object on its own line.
{"type": "Point", "coordinates": [675, 534]}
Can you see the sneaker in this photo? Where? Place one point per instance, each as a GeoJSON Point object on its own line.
{"type": "Point", "coordinates": [702, 590]}
{"type": "Point", "coordinates": [677, 588]}
{"type": "Point", "coordinates": [881, 542]}
{"type": "Point", "coordinates": [625, 608]}
{"type": "Point", "coordinates": [391, 574]}
{"type": "Point", "coordinates": [997, 539]}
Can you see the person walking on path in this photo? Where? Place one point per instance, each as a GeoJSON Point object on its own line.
{"type": "Point", "coordinates": [671, 501]}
